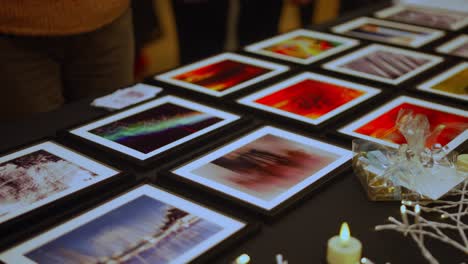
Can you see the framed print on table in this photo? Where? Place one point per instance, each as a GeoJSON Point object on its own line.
{"type": "Point", "coordinates": [388, 32]}
{"type": "Point", "coordinates": [43, 173]}
{"type": "Point", "coordinates": [379, 125]}
{"type": "Point", "coordinates": [310, 98]}
{"type": "Point", "coordinates": [425, 16]}
{"type": "Point", "coordinates": [264, 168]}
{"type": "Point", "coordinates": [383, 63]}
{"type": "Point", "coordinates": [150, 129]}
{"type": "Point", "coordinates": [456, 47]}
{"type": "Point", "coordinates": [144, 225]}
{"type": "Point", "coordinates": [222, 74]}
{"type": "Point", "coordinates": [302, 46]}
{"type": "Point", "coordinates": [452, 83]}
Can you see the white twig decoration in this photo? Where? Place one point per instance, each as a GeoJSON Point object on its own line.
{"type": "Point", "coordinates": [451, 212]}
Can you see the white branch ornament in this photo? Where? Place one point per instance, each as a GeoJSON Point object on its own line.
{"type": "Point", "coordinates": [452, 217]}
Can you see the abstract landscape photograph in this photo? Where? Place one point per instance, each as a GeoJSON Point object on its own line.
{"type": "Point", "coordinates": [222, 74]}
{"type": "Point", "coordinates": [302, 46]}
{"type": "Point", "coordinates": [388, 32]}
{"type": "Point", "coordinates": [425, 16]}
{"type": "Point", "coordinates": [145, 225]}
{"type": "Point", "coordinates": [452, 83]}
{"type": "Point", "coordinates": [42, 175]}
{"type": "Point", "coordinates": [384, 63]}
{"type": "Point", "coordinates": [265, 167]}
{"type": "Point", "coordinates": [154, 127]}
{"type": "Point", "coordinates": [449, 125]}
{"type": "Point", "coordinates": [310, 97]}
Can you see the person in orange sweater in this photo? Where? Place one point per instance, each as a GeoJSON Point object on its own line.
{"type": "Point", "coordinates": [54, 51]}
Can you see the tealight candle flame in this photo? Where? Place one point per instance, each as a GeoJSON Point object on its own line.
{"type": "Point", "coordinates": [345, 234]}
{"type": "Point", "coordinates": [243, 259]}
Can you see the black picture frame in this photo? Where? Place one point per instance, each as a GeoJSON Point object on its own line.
{"type": "Point", "coordinates": [274, 70]}
{"type": "Point", "coordinates": [360, 56]}
{"type": "Point", "coordinates": [436, 103]}
{"type": "Point", "coordinates": [327, 172]}
{"type": "Point", "coordinates": [56, 203]}
{"type": "Point", "coordinates": [248, 104]}
{"type": "Point", "coordinates": [425, 87]}
{"type": "Point", "coordinates": [243, 230]}
{"type": "Point", "coordinates": [228, 121]}
{"type": "Point", "coordinates": [258, 48]}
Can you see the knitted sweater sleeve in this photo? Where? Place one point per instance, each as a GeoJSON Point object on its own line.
{"type": "Point", "coordinates": [57, 17]}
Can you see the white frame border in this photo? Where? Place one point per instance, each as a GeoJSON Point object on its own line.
{"type": "Point", "coordinates": [428, 85]}
{"type": "Point", "coordinates": [103, 172]}
{"type": "Point", "coordinates": [185, 171]}
{"type": "Point", "coordinates": [350, 127]}
{"type": "Point", "coordinates": [84, 133]}
{"type": "Point", "coordinates": [275, 70]}
{"type": "Point", "coordinates": [387, 12]}
{"type": "Point", "coordinates": [345, 29]}
{"type": "Point", "coordinates": [229, 225]}
{"type": "Point", "coordinates": [250, 99]}
{"type": "Point", "coordinates": [335, 65]}
{"type": "Point", "coordinates": [258, 48]}
{"type": "Point", "coordinates": [449, 46]}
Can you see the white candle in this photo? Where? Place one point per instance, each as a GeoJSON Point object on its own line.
{"type": "Point", "coordinates": [344, 249]}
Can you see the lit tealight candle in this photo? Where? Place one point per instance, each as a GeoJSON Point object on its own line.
{"type": "Point", "coordinates": [344, 249]}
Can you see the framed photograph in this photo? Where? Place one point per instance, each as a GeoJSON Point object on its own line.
{"type": "Point", "coordinates": [145, 225]}
{"type": "Point", "coordinates": [388, 32]}
{"type": "Point", "coordinates": [147, 130]}
{"type": "Point", "coordinates": [383, 63]}
{"type": "Point", "coordinates": [425, 16]}
{"type": "Point", "coordinates": [456, 47]}
{"type": "Point", "coordinates": [310, 98]}
{"type": "Point", "coordinates": [43, 173]}
{"type": "Point", "coordinates": [302, 46]}
{"type": "Point", "coordinates": [264, 168]}
{"type": "Point", "coordinates": [452, 83]}
{"type": "Point", "coordinates": [222, 74]}
{"type": "Point", "coordinates": [379, 125]}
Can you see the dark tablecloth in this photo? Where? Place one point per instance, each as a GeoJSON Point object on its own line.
{"type": "Point", "coordinates": [301, 233]}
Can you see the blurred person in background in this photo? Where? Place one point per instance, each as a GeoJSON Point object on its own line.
{"type": "Point", "coordinates": [202, 24]}
{"type": "Point", "coordinates": [146, 30]}
{"type": "Point", "coordinates": [54, 51]}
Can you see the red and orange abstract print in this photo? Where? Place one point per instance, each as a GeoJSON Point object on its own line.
{"type": "Point", "coordinates": [302, 47]}
{"type": "Point", "coordinates": [311, 99]}
{"type": "Point", "coordinates": [222, 75]}
{"type": "Point", "coordinates": [383, 127]}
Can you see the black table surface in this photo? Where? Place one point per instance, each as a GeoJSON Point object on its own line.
{"type": "Point", "coordinates": [301, 233]}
